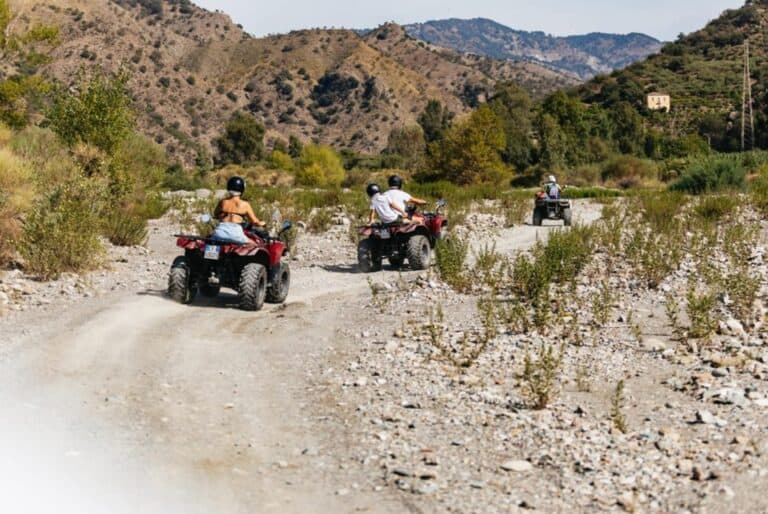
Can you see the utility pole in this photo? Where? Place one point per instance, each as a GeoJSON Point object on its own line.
{"type": "Point", "coordinates": [746, 104]}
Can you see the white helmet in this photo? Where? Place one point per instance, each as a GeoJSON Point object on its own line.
{"type": "Point", "coordinates": [552, 178]}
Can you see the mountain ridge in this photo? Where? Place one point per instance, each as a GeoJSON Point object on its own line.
{"type": "Point", "coordinates": [584, 55]}
{"type": "Point", "coordinates": [192, 69]}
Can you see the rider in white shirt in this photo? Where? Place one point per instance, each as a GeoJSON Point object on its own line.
{"type": "Point", "coordinates": [399, 197]}
{"type": "Point", "coordinates": [382, 206]}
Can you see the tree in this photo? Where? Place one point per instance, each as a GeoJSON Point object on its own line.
{"type": "Point", "coordinates": [97, 113]}
{"type": "Point", "coordinates": [553, 143]}
{"type": "Point", "coordinates": [319, 166]}
{"type": "Point", "coordinates": [512, 106]}
{"type": "Point", "coordinates": [434, 121]}
{"type": "Point", "coordinates": [294, 146]}
{"type": "Point", "coordinates": [242, 141]}
{"type": "Point", "coordinates": [408, 144]}
{"type": "Point", "coordinates": [630, 133]}
{"type": "Point", "coordinates": [471, 150]}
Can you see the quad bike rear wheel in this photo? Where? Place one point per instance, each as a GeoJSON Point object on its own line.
{"type": "Point", "coordinates": [419, 252]}
{"type": "Point", "coordinates": [567, 216]}
{"type": "Point", "coordinates": [179, 288]}
{"type": "Point", "coordinates": [253, 286]}
{"type": "Point", "coordinates": [368, 257]}
{"type": "Point", "coordinates": [538, 216]}
{"type": "Point", "coordinates": [278, 289]}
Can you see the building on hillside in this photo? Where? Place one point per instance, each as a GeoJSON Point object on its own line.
{"type": "Point", "coordinates": [659, 102]}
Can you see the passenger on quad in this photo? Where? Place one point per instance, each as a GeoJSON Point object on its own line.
{"type": "Point", "coordinates": [552, 188]}
{"type": "Point", "coordinates": [232, 212]}
{"type": "Point", "coordinates": [383, 207]}
{"type": "Point", "coordinates": [399, 197]}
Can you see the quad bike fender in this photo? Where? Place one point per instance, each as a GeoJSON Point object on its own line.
{"type": "Point", "coordinates": [189, 244]}
{"type": "Point", "coordinates": [365, 231]}
{"type": "Point", "coordinates": [276, 250]}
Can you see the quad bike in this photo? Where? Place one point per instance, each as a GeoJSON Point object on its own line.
{"type": "Point", "coordinates": [400, 241]}
{"type": "Point", "coordinates": [551, 209]}
{"type": "Point", "coordinates": [256, 270]}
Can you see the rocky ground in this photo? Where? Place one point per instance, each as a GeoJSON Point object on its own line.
{"type": "Point", "coordinates": [394, 416]}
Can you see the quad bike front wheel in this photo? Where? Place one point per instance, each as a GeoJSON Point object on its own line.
{"type": "Point", "coordinates": [538, 216]}
{"type": "Point", "coordinates": [278, 289]}
{"type": "Point", "coordinates": [419, 252]}
{"type": "Point", "coordinates": [368, 257]}
{"type": "Point", "coordinates": [253, 286]}
{"type": "Point", "coordinates": [179, 288]}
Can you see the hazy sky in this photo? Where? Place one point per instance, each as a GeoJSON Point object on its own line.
{"type": "Point", "coordinates": [663, 19]}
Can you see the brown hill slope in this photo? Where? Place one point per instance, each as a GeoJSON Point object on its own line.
{"type": "Point", "coordinates": [191, 69]}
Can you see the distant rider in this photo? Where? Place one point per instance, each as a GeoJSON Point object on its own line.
{"type": "Point", "coordinates": [552, 188]}
{"type": "Point", "coordinates": [383, 207]}
{"type": "Point", "coordinates": [399, 197]}
{"type": "Point", "coordinates": [232, 212]}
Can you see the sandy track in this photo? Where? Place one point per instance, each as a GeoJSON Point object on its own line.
{"type": "Point", "coordinates": [133, 403]}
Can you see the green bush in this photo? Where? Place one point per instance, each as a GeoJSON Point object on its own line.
{"type": "Point", "coordinates": [661, 210]}
{"type": "Point", "coordinates": [125, 229]}
{"type": "Point", "coordinates": [61, 232]}
{"type": "Point", "coordinates": [98, 114]}
{"type": "Point", "coordinates": [627, 172]}
{"type": "Point", "coordinates": [319, 166]}
{"type": "Point", "coordinates": [712, 174]}
{"type": "Point", "coordinates": [451, 256]}
{"type": "Point", "coordinates": [715, 207]}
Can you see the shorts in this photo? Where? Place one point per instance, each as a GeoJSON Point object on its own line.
{"type": "Point", "coordinates": [230, 233]}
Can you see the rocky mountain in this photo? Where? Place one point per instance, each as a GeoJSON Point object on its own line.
{"type": "Point", "coordinates": [584, 56]}
{"type": "Point", "coordinates": [191, 69]}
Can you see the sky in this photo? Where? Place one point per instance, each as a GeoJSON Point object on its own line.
{"type": "Point", "coordinates": [663, 19]}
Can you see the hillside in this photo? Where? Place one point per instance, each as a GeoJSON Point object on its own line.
{"type": "Point", "coordinates": [191, 69]}
{"type": "Point", "coordinates": [703, 73]}
{"type": "Point", "coordinates": [583, 56]}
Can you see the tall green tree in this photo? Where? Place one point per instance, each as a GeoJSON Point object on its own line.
{"type": "Point", "coordinates": [471, 150]}
{"type": "Point", "coordinates": [242, 141]}
{"type": "Point", "coordinates": [435, 121]}
{"type": "Point", "coordinates": [407, 143]}
{"type": "Point", "coordinates": [98, 112]}
{"type": "Point", "coordinates": [512, 106]}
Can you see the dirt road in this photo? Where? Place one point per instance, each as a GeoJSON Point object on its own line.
{"type": "Point", "coordinates": [132, 403]}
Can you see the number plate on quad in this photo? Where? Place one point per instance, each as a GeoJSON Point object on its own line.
{"type": "Point", "coordinates": [212, 252]}
{"type": "Point", "coordinates": [384, 233]}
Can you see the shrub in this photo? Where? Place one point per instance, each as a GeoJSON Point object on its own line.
{"type": "Point", "coordinates": [242, 141]}
{"type": "Point", "coordinates": [711, 174]}
{"type": "Point", "coordinates": [319, 166]}
{"type": "Point", "coordinates": [540, 375]}
{"type": "Point", "coordinates": [451, 256]}
{"type": "Point", "coordinates": [627, 171]}
{"type": "Point", "coordinates": [701, 312]}
{"type": "Point", "coordinates": [281, 161]}
{"type": "Point", "coordinates": [125, 229]}
{"type": "Point", "coordinates": [320, 221]}
{"type": "Point", "coordinates": [16, 194]}
{"type": "Point", "coordinates": [715, 207]}
{"type": "Point", "coordinates": [61, 231]}
{"type": "Point", "coordinates": [98, 114]}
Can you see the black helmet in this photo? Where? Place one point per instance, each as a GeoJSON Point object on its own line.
{"type": "Point", "coordinates": [395, 181]}
{"type": "Point", "coordinates": [372, 189]}
{"type": "Point", "coordinates": [236, 185]}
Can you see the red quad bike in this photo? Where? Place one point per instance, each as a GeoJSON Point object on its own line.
{"type": "Point", "coordinates": [551, 209]}
{"type": "Point", "coordinates": [256, 270]}
{"type": "Point", "coordinates": [398, 242]}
